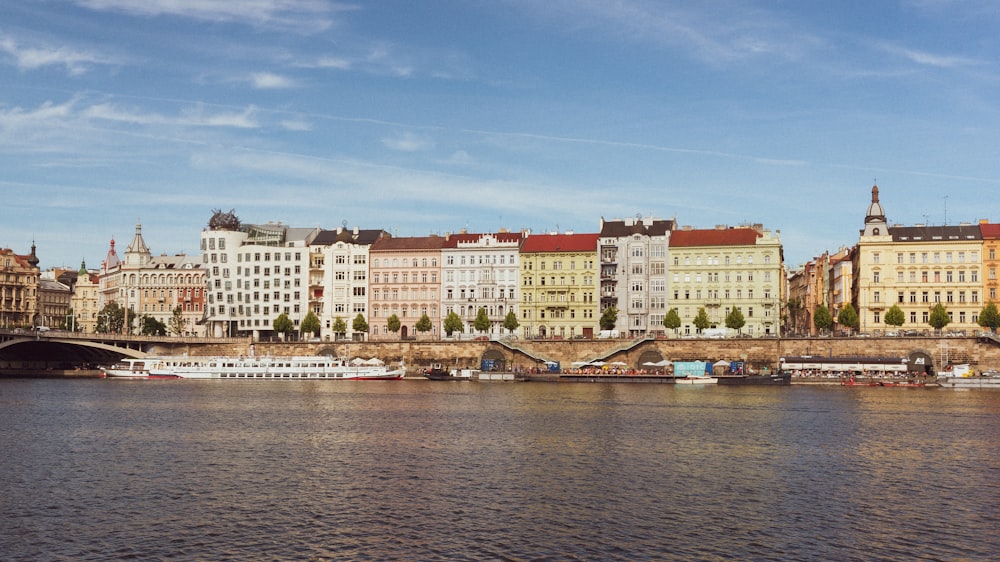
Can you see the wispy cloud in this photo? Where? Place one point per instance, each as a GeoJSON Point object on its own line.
{"type": "Point", "coordinates": [408, 142]}
{"type": "Point", "coordinates": [709, 32]}
{"type": "Point", "coordinates": [271, 81]}
{"type": "Point", "coordinates": [195, 116]}
{"type": "Point", "coordinates": [928, 59]}
{"type": "Point", "coordinates": [304, 15]}
{"type": "Point", "coordinates": [76, 61]}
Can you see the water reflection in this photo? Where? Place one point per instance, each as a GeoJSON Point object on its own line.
{"type": "Point", "coordinates": [420, 470]}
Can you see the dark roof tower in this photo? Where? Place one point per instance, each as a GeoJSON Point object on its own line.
{"type": "Point", "coordinates": [875, 222]}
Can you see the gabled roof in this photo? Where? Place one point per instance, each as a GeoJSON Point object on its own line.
{"type": "Point", "coordinates": [408, 243]}
{"type": "Point", "coordinates": [538, 243]}
{"type": "Point", "coordinates": [989, 231]}
{"type": "Point", "coordinates": [714, 237]}
{"type": "Point", "coordinates": [453, 240]}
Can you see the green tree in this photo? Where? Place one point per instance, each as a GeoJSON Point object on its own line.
{"type": "Point", "coordinates": [453, 323]}
{"type": "Point", "coordinates": [735, 320]}
{"type": "Point", "coordinates": [794, 306]}
{"type": "Point", "coordinates": [990, 317]}
{"type": "Point", "coordinates": [510, 322]}
{"type": "Point", "coordinates": [701, 320]}
{"type": "Point", "coordinates": [609, 318]}
{"type": "Point", "coordinates": [310, 324]}
{"type": "Point", "coordinates": [894, 316]}
{"type": "Point", "coordinates": [340, 326]}
{"type": "Point", "coordinates": [482, 322]}
{"type": "Point", "coordinates": [359, 325]}
{"type": "Point", "coordinates": [394, 324]}
{"type": "Point", "coordinates": [672, 320]}
{"type": "Point", "coordinates": [283, 324]}
{"type": "Point", "coordinates": [848, 317]}
{"type": "Point", "coordinates": [149, 326]}
{"type": "Point", "coordinates": [822, 318]}
{"type": "Point", "coordinates": [177, 323]}
{"type": "Point", "coordinates": [939, 317]}
{"type": "Point", "coordinates": [111, 319]}
{"type": "Point", "coordinates": [424, 324]}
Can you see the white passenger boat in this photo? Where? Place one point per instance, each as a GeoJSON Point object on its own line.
{"type": "Point", "coordinates": [268, 368]}
{"type": "Point", "coordinates": [149, 368]}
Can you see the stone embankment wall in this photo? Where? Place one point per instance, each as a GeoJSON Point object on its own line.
{"type": "Point", "coordinates": [417, 355]}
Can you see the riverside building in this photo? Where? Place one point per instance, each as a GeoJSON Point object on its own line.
{"type": "Point", "coordinates": [480, 271]}
{"type": "Point", "coordinates": [405, 283]}
{"type": "Point", "coordinates": [633, 254]}
{"type": "Point", "coordinates": [166, 288]}
{"type": "Point", "coordinates": [19, 277]}
{"type": "Point", "coordinates": [559, 284]}
{"type": "Point", "coordinates": [254, 273]}
{"type": "Point", "coordinates": [915, 268]}
{"type": "Point", "coordinates": [727, 268]}
{"type": "Point", "coordinates": [338, 279]}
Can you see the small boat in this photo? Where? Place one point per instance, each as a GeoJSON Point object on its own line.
{"type": "Point", "coordinates": [437, 372]}
{"type": "Point", "coordinates": [696, 380]}
{"type": "Point", "coordinates": [851, 381]}
{"type": "Point", "coordinates": [773, 379]}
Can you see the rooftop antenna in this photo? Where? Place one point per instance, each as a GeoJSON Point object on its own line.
{"type": "Point", "coordinates": [946, 210]}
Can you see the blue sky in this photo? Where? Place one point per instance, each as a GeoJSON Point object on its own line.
{"type": "Point", "coordinates": [431, 116]}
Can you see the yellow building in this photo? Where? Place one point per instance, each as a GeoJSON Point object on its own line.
{"type": "Point", "coordinates": [915, 268]}
{"type": "Point", "coordinates": [559, 284]}
{"type": "Point", "coordinates": [991, 262]}
{"type": "Point", "coordinates": [726, 268]}
{"type": "Point", "coordinates": [19, 276]}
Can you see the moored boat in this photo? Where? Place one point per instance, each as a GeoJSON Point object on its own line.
{"type": "Point", "coordinates": [772, 379]}
{"type": "Point", "coordinates": [138, 369]}
{"type": "Point", "coordinates": [696, 380]}
{"type": "Point", "coordinates": [975, 381]}
{"type": "Point", "coordinates": [436, 372]}
{"type": "Point", "coordinates": [268, 368]}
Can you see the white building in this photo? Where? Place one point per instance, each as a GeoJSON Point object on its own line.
{"type": "Point", "coordinates": [254, 274]}
{"type": "Point", "coordinates": [480, 271]}
{"type": "Point", "coordinates": [633, 254]}
{"type": "Point", "coordinates": [338, 278]}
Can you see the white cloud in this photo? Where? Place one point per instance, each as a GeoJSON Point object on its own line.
{"type": "Point", "coordinates": [408, 142]}
{"type": "Point", "coordinates": [928, 59]}
{"type": "Point", "coordinates": [270, 81]}
{"type": "Point", "coordinates": [76, 61]}
{"type": "Point", "coordinates": [197, 116]}
{"type": "Point", "coordinates": [304, 15]}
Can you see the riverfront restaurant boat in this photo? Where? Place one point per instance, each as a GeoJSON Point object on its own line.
{"type": "Point", "coordinates": [266, 368]}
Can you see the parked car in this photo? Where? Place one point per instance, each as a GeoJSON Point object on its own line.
{"type": "Point", "coordinates": [41, 328]}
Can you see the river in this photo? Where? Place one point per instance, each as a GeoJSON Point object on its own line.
{"type": "Point", "coordinates": [418, 470]}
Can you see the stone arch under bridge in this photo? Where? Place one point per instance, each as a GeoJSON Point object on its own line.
{"type": "Point", "coordinates": [63, 351]}
{"type": "Point", "coordinates": [494, 360]}
{"type": "Point", "coordinates": [648, 356]}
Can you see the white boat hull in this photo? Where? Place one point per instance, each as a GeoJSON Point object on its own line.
{"type": "Point", "coordinates": [969, 382]}
{"type": "Point", "coordinates": [265, 368]}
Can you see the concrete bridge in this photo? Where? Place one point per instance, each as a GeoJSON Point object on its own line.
{"type": "Point", "coordinates": [55, 350]}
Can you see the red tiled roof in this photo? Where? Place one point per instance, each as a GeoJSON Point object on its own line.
{"type": "Point", "coordinates": [536, 243]}
{"type": "Point", "coordinates": [714, 237]}
{"type": "Point", "coordinates": [990, 230]}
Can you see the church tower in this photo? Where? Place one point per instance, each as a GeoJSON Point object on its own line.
{"type": "Point", "coordinates": [875, 222]}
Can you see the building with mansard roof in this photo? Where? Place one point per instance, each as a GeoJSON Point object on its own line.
{"type": "Point", "coordinates": [559, 285]}
{"type": "Point", "coordinates": [338, 278]}
{"type": "Point", "coordinates": [915, 268]}
{"type": "Point", "coordinates": [480, 272]}
{"type": "Point", "coordinates": [633, 254]}
{"type": "Point", "coordinates": [727, 268]}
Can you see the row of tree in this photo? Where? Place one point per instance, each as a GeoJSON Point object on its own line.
{"type": "Point", "coordinates": [452, 323]}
